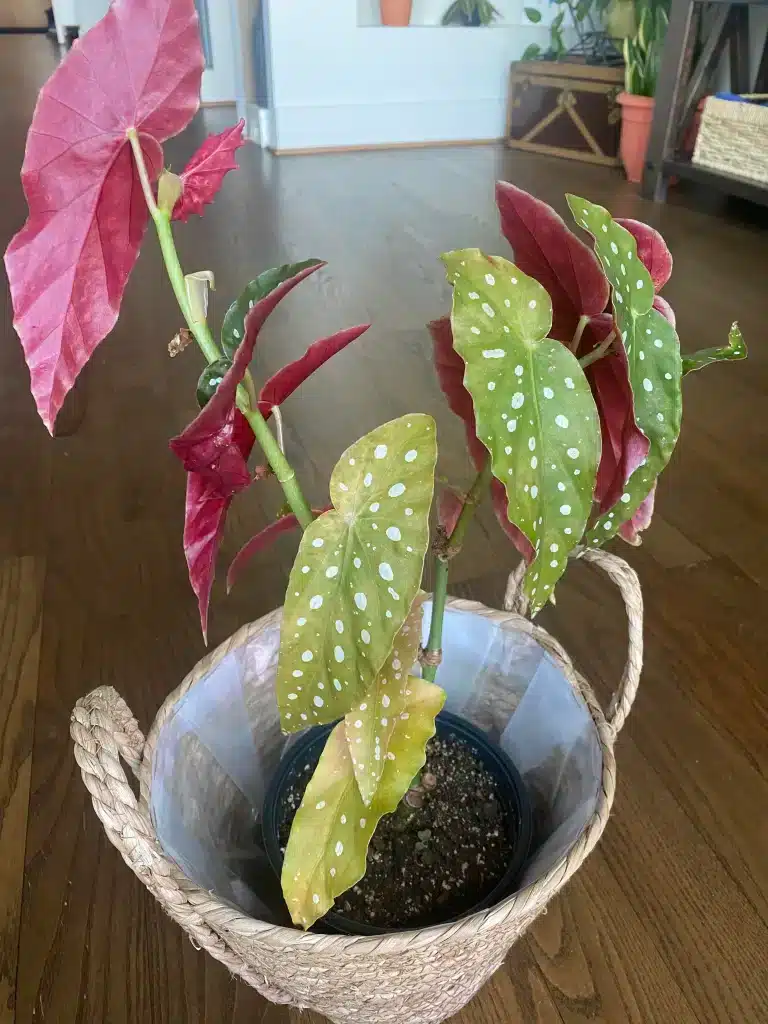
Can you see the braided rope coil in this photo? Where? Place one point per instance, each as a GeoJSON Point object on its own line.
{"type": "Point", "coordinates": [410, 977]}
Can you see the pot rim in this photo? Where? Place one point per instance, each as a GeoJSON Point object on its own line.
{"type": "Point", "coordinates": [630, 99]}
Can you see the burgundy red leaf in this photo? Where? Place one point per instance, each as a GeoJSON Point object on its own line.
{"type": "Point", "coordinates": [139, 67]}
{"type": "Point", "coordinates": [203, 176]}
{"type": "Point", "coordinates": [624, 445]}
{"type": "Point", "coordinates": [449, 507]}
{"type": "Point", "coordinates": [501, 509]}
{"type": "Point", "coordinates": [661, 304]}
{"type": "Point", "coordinates": [652, 250]}
{"type": "Point", "coordinates": [204, 520]}
{"type": "Point", "coordinates": [546, 250]}
{"type": "Point", "coordinates": [280, 386]}
{"type": "Point", "coordinates": [209, 445]}
{"type": "Point", "coordinates": [261, 541]}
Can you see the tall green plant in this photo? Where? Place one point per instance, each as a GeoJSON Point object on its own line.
{"type": "Point", "coordinates": [470, 12]}
{"type": "Point", "coordinates": [642, 52]}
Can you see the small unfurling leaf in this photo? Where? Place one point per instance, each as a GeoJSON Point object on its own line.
{"type": "Point", "coordinates": [735, 349]}
{"type": "Point", "coordinates": [202, 178]}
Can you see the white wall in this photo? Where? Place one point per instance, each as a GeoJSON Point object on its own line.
{"type": "Point", "coordinates": [337, 84]}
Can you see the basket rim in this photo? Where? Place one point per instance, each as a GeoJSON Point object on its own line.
{"type": "Point", "coordinates": [223, 917]}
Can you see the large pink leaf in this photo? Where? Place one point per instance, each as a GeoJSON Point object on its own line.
{"type": "Point", "coordinates": [546, 250]}
{"type": "Point", "coordinates": [641, 520]}
{"type": "Point", "coordinates": [624, 445]}
{"type": "Point", "coordinates": [139, 67]}
{"type": "Point", "coordinates": [208, 445]}
{"type": "Point", "coordinates": [204, 519]}
{"type": "Point", "coordinates": [280, 386]}
{"type": "Point", "coordinates": [203, 176]}
{"type": "Point", "coordinates": [652, 250]}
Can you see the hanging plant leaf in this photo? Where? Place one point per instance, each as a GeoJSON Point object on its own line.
{"type": "Point", "coordinates": [233, 326]}
{"type": "Point", "coordinates": [371, 725]}
{"type": "Point", "coordinates": [70, 263]}
{"type": "Point", "coordinates": [357, 573]}
{"type": "Point", "coordinates": [735, 349]}
{"type": "Point", "coordinates": [205, 515]}
{"type": "Point", "coordinates": [281, 385]}
{"type": "Point", "coordinates": [534, 410]}
{"type": "Point", "coordinates": [210, 379]}
{"type": "Point", "coordinates": [531, 52]}
{"type": "Point", "coordinates": [546, 250]}
{"type": "Point", "coordinates": [326, 852]}
{"type": "Point", "coordinates": [208, 445]}
{"type": "Point", "coordinates": [653, 358]}
{"type": "Point", "coordinates": [533, 14]}
{"type": "Point", "coordinates": [203, 176]}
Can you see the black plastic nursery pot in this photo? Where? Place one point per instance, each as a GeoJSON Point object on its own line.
{"type": "Point", "coordinates": [511, 793]}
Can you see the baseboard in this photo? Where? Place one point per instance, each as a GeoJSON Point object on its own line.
{"type": "Point", "coordinates": [369, 125]}
{"type": "Point", "coordinates": [16, 31]}
{"type": "Point", "coordinates": [372, 146]}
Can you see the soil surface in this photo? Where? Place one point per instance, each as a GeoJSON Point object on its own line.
{"type": "Point", "coordinates": [434, 862]}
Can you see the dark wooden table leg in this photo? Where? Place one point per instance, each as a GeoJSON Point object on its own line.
{"type": "Point", "coordinates": [739, 22]}
{"type": "Point", "coordinates": [673, 80]}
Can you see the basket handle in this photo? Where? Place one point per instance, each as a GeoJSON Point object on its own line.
{"type": "Point", "coordinates": [625, 578]}
{"type": "Point", "coordinates": [104, 730]}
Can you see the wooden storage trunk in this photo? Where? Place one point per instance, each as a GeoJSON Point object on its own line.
{"type": "Point", "coordinates": [565, 109]}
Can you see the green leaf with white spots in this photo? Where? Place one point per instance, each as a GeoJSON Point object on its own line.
{"type": "Point", "coordinates": [533, 405]}
{"type": "Point", "coordinates": [326, 852]}
{"type": "Point", "coordinates": [233, 326]}
{"type": "Point", "coordinates": [370, 726]}
{"type": "Point", "coordinates": [653, 358]}
{"type": "Point", "coordinates": [735, 349]}
{"type": "Point", "coordinates": [357, 573]}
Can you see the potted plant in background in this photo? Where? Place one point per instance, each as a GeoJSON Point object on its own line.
{"type": "Point", "coordinates": [563, 98]}
{"type": "Point", "coordinates": [475, 13]}
{"type": "Point", "coordinates": [642, 59]}
{"type": "Point", "coordinates": [396, 13]}
{"type": "Point", "coordinates": [569, 387]}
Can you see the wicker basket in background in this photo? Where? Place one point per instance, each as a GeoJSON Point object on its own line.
{"type": "Point", "coordinates": [733, 138]}
{"type": "Point", "coordinates": [411, 977]}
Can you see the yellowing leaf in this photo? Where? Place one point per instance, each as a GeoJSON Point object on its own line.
{"type": "Point", "coordinates": [357, 573]}
{"type": "Point", "coordinates": [370, 726]}
{"type": "Point", "coordinates": [326, 852]}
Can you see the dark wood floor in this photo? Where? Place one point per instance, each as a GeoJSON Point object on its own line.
{"type": "Point", "coordinates": [667, 922]}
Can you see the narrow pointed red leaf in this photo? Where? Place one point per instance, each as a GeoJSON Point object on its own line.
{"type": "Point", "coordinates": [641, 520]}
{"type": "Point", "coordinates": [500, 508]}
{"type": "Point", "coordinates": [652, 250]}
{"type": "Point", "coordinates": [139, 67]}
{"type": "Point", "coordinates": [546, 250]}
{"type": "Point", "coordinates": [624, 445]}
{"type": "Point", "coordinates": [280, 386]}
{"type": "Point", "coordinates": [209, 445]}
{"type": "Point", "coordinates": [205, 515]}
{"type": "Point", "coordinates": [450, 374]}
{"type": "Point", "coordinates": [262, 540]}
{"type": "Point", "coordinates": [203, 176]}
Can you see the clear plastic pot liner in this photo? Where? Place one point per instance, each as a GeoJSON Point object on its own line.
{"type": "Point", "coordinates": [219, 748]}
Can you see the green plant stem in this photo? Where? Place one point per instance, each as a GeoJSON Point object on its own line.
{"type": "Point", "coordinates": [202, 334]}
{"type": "Point", "coordinates": [599, 352]}
{"type": "Point", "coordinates": [580, 328]}
{"type": "Point", "coordinates": [442, 562]}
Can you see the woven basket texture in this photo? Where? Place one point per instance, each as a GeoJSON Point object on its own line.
{"type": "Point", "coordinates": [733, 138]}
{"type": "Point", "coordinates": [410, 977]}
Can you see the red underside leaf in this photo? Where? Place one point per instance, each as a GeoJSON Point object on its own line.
{"type": "Point", "coordinates": [208, 445]}
{"type": "Point", "coordinates": [661, 304]}
{"type": "Point", "coordinates": [450, 373]}
{"type": "Point", "coordinates": [203, 176]}
{"type": "Point", "coordinates": [546, 250]}
{"type": "Point", "coordinates": [139, 67]}
{"type": "Point", "coordinates": [282, 385]}
{"type": "Point", "coordinates": [449, 507]}
{"type": "Point", "coordinates": [641, 520]}
{"type": "Point", "coordinates": [651, 250]}
{"type": "Point", "coordinates": [624, 445]}
{"type": "Point", "coordinates": [204, 519]}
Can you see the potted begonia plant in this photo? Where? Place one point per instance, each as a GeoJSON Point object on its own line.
{"type": "Point", "coordinates": [566, 369]}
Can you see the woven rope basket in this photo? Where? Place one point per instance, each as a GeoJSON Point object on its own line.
{"type": "Point", "coordinates": [410, 977]}
{"type": "Point", "coordinates": [733, 137]}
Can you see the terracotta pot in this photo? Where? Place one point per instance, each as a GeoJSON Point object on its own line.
{"type": "Point", "coordinates": [396, 12]}
{"type": "Point", "coordinates": [636, 121]}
